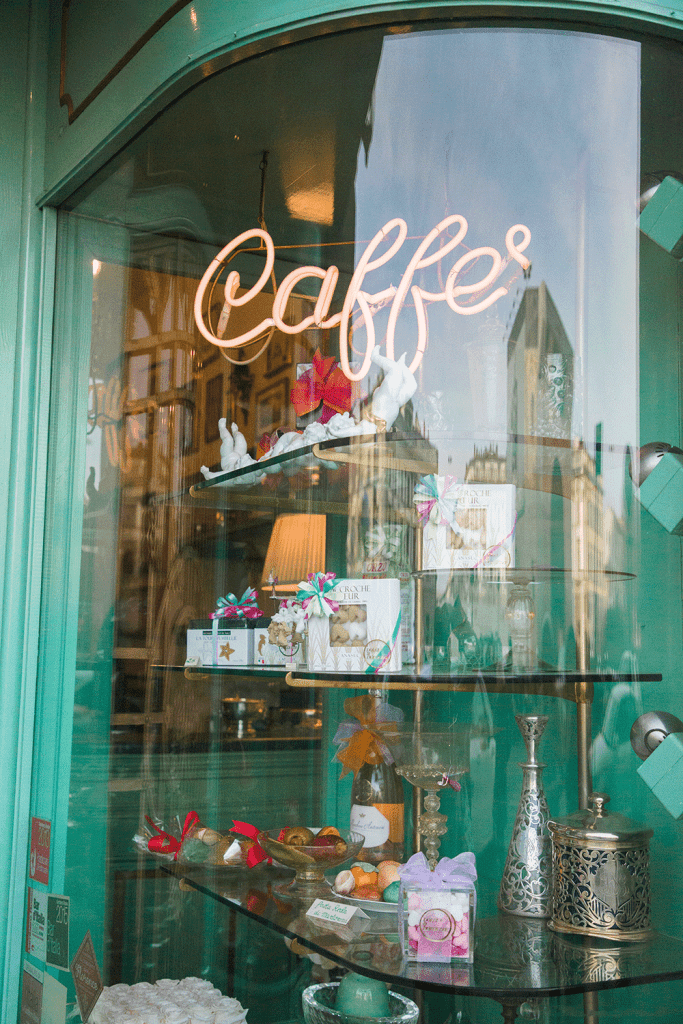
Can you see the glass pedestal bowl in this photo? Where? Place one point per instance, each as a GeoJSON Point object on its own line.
{"type": "Point", "coordinates": [431, 757]}
{"type": "Point", "coordinates": [310, 862]}
{"type": "Point", "coordinates": [318, 1006]}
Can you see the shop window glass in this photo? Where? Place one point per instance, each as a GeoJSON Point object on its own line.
{"type": "Point", "coordinates": [514, 377]}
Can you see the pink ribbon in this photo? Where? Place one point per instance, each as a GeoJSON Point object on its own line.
{"type": "Point", "coordinates": [446, 780]}
{"type": "Point", "coordinates": [488, 555]}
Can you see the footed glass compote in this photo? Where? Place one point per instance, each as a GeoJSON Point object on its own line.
{"type": "Point", "coordinates": [310, 861]}
{"type": "Point", "coordinates": [430, 757]}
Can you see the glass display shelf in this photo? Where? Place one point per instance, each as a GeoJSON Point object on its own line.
{"type": "Point", "coordinates": [405, 451]}
{"type": "Point", "coordinates": [317, 473]}
{"type": "Point", "coordinates": [553, 683]}
{"type": "Point", "coordinates": [526, 575]}
{"type": "Point", "coordinates": [515, 958]}
{"type": "Point", "coordinates": [569, 684]}
{"type": "Point", "coordinates": [199, 672]}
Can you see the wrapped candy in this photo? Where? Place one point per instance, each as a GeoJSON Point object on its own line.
{"type": "Point", "coordinates": [200, 845]}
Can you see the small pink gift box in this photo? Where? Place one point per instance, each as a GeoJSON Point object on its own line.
{"type": "Point", "coordinates": [436, 909]}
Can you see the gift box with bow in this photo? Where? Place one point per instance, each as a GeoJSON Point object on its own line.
{"type": "Point", "coordinates": [227, 636]}
{"type": "Point", "coordinates": [353, 625]}
{"type": "Point", "coordinates": [436, 908]}
{"type": "Point", "coordinates": [466, 526]}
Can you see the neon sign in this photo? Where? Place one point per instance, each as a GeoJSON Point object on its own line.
{"type": "Point", "coordinates": [357, 296]}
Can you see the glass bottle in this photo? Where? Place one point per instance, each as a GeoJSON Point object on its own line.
{"type": "Point", "coordinates": [377, 809]}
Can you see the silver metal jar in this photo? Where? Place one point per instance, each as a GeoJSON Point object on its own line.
{"type": "Point", "coordinates": [601, 874]}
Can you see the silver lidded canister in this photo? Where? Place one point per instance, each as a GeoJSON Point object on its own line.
{"type": "Point", "coordinates": [601, 874]}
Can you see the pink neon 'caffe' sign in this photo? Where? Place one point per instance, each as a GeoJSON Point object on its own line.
{"type": "Point", "coordinates": [356, 294]}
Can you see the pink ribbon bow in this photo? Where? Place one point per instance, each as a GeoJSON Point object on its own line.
{"type": "Point", "coordinates": [313, 595]}
{"type": "Point", "coordinates": [434, 503]}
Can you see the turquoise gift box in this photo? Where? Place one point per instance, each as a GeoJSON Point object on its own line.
{"type": "Point", "coordinates": [662, 771]}
{"type": "Point", "coordinates": [661, 493]}
{"type": "Point", "coordinates": [662, 218]}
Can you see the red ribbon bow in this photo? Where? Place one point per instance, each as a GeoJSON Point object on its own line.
{"type": "Point", "coordinates": [256, 853]}
{"type": "Point", "coordinates": [166, 843]}
{"type": "Point", "coordinates": [325, 383]}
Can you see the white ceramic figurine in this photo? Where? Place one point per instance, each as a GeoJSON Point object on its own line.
{"type": "Point", "coordinates": [398, 386]}
{"type": "Point", "coordinates": [233, 451]}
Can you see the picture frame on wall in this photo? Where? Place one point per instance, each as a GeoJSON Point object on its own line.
{"type": "Point", "coordinates": [213, 408]}
{"type": "Point", "coordinates": [278, 354]}
{"type": "Point", "coordinates": [272, 407]}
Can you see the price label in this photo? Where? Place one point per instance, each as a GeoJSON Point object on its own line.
{"type": "Point", "coordinates": [333, 913]}
{"type": "Point", "coordinates": [36, 924]}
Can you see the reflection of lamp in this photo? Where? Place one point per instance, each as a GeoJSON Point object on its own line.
{"type": "Point", "coordinates": [296, 547]}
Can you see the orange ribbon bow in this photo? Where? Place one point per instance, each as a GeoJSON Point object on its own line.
{"type": "Point", "coordinates": [364, 739]}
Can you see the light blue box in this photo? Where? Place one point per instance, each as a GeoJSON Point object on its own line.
{"type": "Point", "coordinates": [661, 493]}
{"type": "Point", "coordinates": [662, 771]}
{"type": "Point", "coordinates": [662, 218]}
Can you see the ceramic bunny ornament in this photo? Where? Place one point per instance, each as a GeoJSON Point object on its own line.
{"type": "Point", "coordinates": [239, 441]}
{"type": "Point", "coordinates": [233, 450]}
{"type": "Point", "coordinates": [398, 386]}
{"type": "Point", "coordinates": [229, 459]}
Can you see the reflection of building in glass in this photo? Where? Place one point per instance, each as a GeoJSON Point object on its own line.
{"type": "Point", "coordinates": [598, 538]}
{"type": "Point", "coordinates": [564, 522]}
{"type": "Point", "coordinates": [486, 466]}
{"type": "Point", "coordinates": [540, 381]}
{"type": "Point", "coordinates": [380, 518]}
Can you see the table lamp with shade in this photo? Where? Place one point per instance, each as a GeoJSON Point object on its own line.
{"type": "Point", "coordinates": [296, 547]}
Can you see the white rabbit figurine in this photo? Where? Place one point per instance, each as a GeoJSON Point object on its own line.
{"type": "Point", "coordinates": [228, 460]}
{"type": "Point", "coordinates": [239, 441]}
{"type": "Point", "coordinates": [233, 451]}
{"type": "Point", "coordinates": [398, 386]}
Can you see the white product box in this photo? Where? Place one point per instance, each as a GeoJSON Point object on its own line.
{"type": "Point", "coordinates": [365, 635]}
{"type": "Point", "coordinates": [229, 642]}
{"type": "Point", "coordinates": [407, 618]}
{"type": "Point", "coordinates": [266, 653]}
{"type": "Point", "coordinates": [481, 533]}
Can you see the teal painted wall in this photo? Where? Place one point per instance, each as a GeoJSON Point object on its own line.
{"type": "Point", "coordinates": [25, 329]}
{"type": "Point", "coordinates": [27, 241]}
{"type": "Point", "coordinates": [206, 35]}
